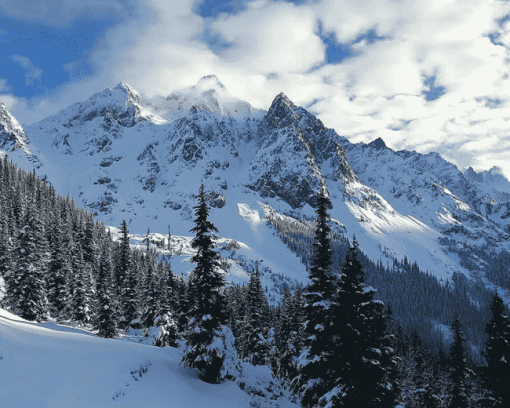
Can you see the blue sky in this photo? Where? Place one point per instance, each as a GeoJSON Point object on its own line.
{"type": "Point", "coordinates": [422, 75]}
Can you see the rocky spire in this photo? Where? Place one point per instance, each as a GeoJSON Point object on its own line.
{"type": "Point", "coordinates": [281, 113]}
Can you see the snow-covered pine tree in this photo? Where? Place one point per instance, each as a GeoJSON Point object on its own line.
{"type": "Point", "coordinates": [286, 336]}
{"type": "Point", "coordinates": [315, 367]}
{"type": "Point", "coordinates": [60, 269]}
{"type": "Point", "coordinates": [82, 300]}
{"type": "Point", "coordinates": [496, 373]}
{"type": "Point", "coordinates": [182, 304]}
{"type": "Point", "coordinates": [127, 278]}
{"type": "Point", "coordinates": [7, 264]}
{"type": "Point", "coordinates": [426, 397]}
{"type": "Point", "coordinates": [167, 334]}
{"type": "Point", "coordinates": [153, 290]}
{"type": "Point", "coordinates": [255, 325]}
{"type": "Point", "coordinates": [90, 247]}
{"type": "Point", "coordinates": [206, 315]}
{"type": "Point", "coordinates": [460, 373]}
{"type": "Point", "coordinates": [363, 357]}
{"type": "Point", "coordinates": [28, 286]}
{"type": "Point", "coordinates": [105, 317]}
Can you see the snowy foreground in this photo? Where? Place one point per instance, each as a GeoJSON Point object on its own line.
{"type": "Point", "coordinates": [45, 365]}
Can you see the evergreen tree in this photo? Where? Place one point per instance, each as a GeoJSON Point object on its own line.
{"type": "Point", "coordinates": [28, 284]}
{"type": "Point", "coordinates": [182, 305]}
{"type": "Point", "coordinates": [426, 397]}
{"type": "Point", "coordinates": [153, 291]}
{"type": "Point", "coordinates": [315, 369]}
{"type": "Point", "coordinates": [460, 373]}
{"type": "Point", "coordinates": [105, 322]}
{"type": "Point", "coordinates": [127, 277]}
{"type": "Point", "coordinates": [364, 358]}
{"type": "Point", "coordinates": [287, 337]}
{"type": "Point", "coordinates": [60, 270]}
{"type": "Point", "coordinates": [206, 282]}
{"type": "Point", "coordinates": [7, 264]}
{"type": "Point", "coordinates": [255, 326]}
{"type": "Point", "coordinates": [82, 301]}
{"type": "Point", "coordinates": [167, 332]}
{"type": "Point", "coordinates": [496, 373]}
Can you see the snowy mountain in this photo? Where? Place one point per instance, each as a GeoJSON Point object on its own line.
{"type": "Point", "coordinates": [126, 156]}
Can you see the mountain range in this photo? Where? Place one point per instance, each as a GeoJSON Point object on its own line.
{"type": "Point", "coordinates": [124, 155]}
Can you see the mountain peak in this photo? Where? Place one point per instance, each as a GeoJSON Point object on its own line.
{"type": "Point", "coordinates": [281, 113]}
{"type": "Point", "coordinates": [210, 84]}
{"type": "Point", "coordinates": [378, 144]}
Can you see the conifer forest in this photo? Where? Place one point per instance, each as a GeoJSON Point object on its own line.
{"type": "Point", "coordinates": [358, 334]}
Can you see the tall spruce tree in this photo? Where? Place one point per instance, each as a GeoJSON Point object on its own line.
{"type": "Point", "coordinates": [105, 320]}
{"type": "Point", "coordinates": [127, 278]}
{"type": "Point", "coordinates": [496, 373]}
{"type": "Point", "coordinates": [365, 366]}
{"type": "Point", "coordinates": [287, 338]}
{"type": "Point", "coordinates": [255, 326]}
{"type": "Point", "coordinates": [28, 285]}
{"type": "Point", "coordinates": [206, 309]}
{"type": "Point", "coordinates": [460, 373]}
{"type": "Point", "coordinates": [82, 299]}
{"type": "Point", "coordinates": [316, 370]}
{"type": "Point", "coordinates": [153, 290]}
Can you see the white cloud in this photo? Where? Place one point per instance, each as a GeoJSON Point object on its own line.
{"type": "Point", "coordinates": [32, 73]}
{"type": "Point", "coordinates": [375, 94]}
{"type": "Point", "coordinates": [60, 13]}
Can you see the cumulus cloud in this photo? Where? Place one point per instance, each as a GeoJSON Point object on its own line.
{"type": "Point", "coordinates": [379, 92]}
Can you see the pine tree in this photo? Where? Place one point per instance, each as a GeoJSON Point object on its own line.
{"type": "Point", "coordinates": [460, 373]}
{"type": "Point", "coordinates": [287, 337]}
{"type": "Point", "coordinates": [167, 332]}
{"type": "Point", "coordinates": [82, 301]}
{"type": "Point", "coordinates": [255, 326]}
{"type": "Point", "coordinates": [60, 270]}
{"type": "Point", "coordinates": [127, 278]}
{"type": "Point", "coordinates": [426, 397]}
{"type": "Point", "coordinates": [105, 321]}
{"type": "Point", "coordinates": [7, 264]}
{"type": "Point", "coordinates": [153, 291]}
{"type": "Point", "coordinates": [364, 356]}
{"type": "Point", "coordinates": [206, 282]}
{"type": "Point", "coordinates": [28, 284]}
{"type": "Point", "coordinates": [496, 373]}
{"type": "Point", "coordinates": [315, 368]}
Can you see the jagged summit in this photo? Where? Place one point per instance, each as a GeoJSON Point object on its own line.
{"type": "Point", "coordinates": [378, 144]}
{"type": "Point", "coordinates": [12, 135]}
{"type": "Point", "coordinates": [282, 112]}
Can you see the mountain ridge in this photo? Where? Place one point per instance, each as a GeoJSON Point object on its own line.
{"type": "Point", "coordinates": [121, 160]}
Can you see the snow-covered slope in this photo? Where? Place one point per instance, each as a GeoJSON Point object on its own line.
{"type": "Point", "coordinates": [42, 367]}
{"type": "Point", "coordinates": [126, 156]}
